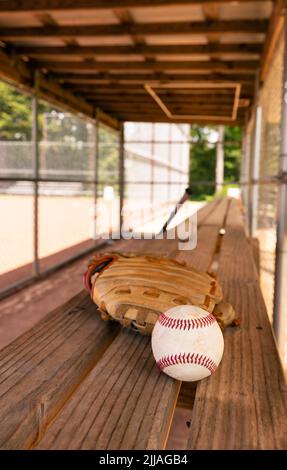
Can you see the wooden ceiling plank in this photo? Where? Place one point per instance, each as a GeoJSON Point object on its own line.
{"type": "Point", "coordinates": [18, 73]}
{"type": "Point", "coordinates": [213, 50]}
{"type": "Point", "coordinates": [275, 28]}
{"type": "Point", "coordinates": [211, 12]}
{"type": "Point", "coordinates": [14, 6]}
{"type": "Point", "coordinates": [135, 81]}
{"type": "Point", "coordinates": [183, 27]}
{"type": "Point", "coordinates": [157, 66]}
{"type": "Point", "coordinates": [250, 65]}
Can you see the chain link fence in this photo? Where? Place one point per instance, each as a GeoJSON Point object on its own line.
{"type": "Point", "coordinates": [260, 168]}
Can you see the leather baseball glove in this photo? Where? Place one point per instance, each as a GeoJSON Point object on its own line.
{"type": "Point", "coordinates": [134, 290]}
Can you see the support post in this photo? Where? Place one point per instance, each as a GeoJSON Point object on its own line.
{"type": "Point", "coordinates": [255, 171]}
{"type": "Point", "coordinates": [243, 175]}
{"type": "Point", "coordinates": [245, 170]}
{"type": "Point", "coordinates": [35, 147]}
{"type": "Point", "coordinates": [169, 161]}
{"type": "Point", "coordinates": [153, 137]}
{"type": "Point", "coordinates": [121, 174]}
{"type": "Point", "coordinates": [96, 172]}
{"type": "Point", "coordinates": [280, 291]}
{"type": "Point", "coordinates": [219, 173]}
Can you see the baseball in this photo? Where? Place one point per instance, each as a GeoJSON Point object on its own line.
{"type": "Point", "coordinates": [187, 343]}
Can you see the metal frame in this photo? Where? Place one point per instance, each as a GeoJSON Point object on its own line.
{"type": "Point", "coordinates": [255, 170]}
{"type": "Point", "coordinates": [36, 273]}
{"type": "Point", "coordinates": [35, 179]}
{"type": "Point", "coordinates": [219, 169]}
{"type": "Point", "coordinates": [96, 170]}
{"type": "Point", "coordinates": [35, 143]}
{"type": "Point", "coordinates": [121, 174]}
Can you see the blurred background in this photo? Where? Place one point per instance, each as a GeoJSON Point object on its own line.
{"type": "Point", "coordinates": [78, 179]}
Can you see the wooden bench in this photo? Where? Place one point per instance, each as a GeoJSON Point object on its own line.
{"type": "Point", "coordinates": [76, 382]}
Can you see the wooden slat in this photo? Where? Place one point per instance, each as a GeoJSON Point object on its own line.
{"type": "Point", "coordinates": [117, 406]}
{"type": "Point", "coordinates": [40, 370]}
{"type": "Point", "coordinates": [135, 80]}
{"type": "Point", "coordinates": [16, 70]}
{"type": "Point", "coordinates": [52, 5]}
{"type": "Point", "coordinates": [216, 65]}
{"type": "Point", "coordinates": [137, 91]}
{"type": "Point", "coordinates": [151, 117]}
{"type": "Point", "coordinates": [212, 50]}
{"type": "Point", "coordinates": [141, 99]}
{"type": "Point", "coordinates": [181, 99]}
{"type": "Point", "coordinates": [217, 217]}
{"type": "Point", "coordinates": [275, 28]}
{"type": "Point", "coordinates": [189, 27]}
{"type": "Point", "coordinates": [125, 402]}
{"type": "Point", "coordinates": [243, 405]}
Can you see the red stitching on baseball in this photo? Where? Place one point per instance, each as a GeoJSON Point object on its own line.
{"type": "Point", "coordinates": [173, 359]}
{"type": "Point", "coordinates": [187, 324]}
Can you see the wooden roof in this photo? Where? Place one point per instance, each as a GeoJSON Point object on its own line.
{"type": "Point", "coordinates": [142, 60]}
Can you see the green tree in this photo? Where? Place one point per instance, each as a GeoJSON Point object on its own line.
{"type": "Point", "coordinates": [15, 114]}
{"type": "Point", "coordinates": [202, 161]}
{"type": "Point", "coordinates": [203, 158]}
{"type": "Point", "coordinates": [232, 153]}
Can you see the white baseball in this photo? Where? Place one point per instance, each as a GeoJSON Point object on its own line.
{"type": "Point", "coordinates": [187, 343]}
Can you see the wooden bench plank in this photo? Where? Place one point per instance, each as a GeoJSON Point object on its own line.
{"type": "Point", "coordinates": [243, 405]}
{"type": "Point", "coordinates": [118, 404]}
{"type": "Point", "coordinates": [50, 360]}
{"type": "Point", "coordinates": [125, 403]}
{"type": "Point", "coordinates": [42, 369]}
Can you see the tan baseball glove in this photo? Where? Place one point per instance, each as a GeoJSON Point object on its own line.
{"type": "Point", "coordinates": [134, 289]}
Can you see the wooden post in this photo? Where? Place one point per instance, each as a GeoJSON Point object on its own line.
{"type": "Point", "coordinates": [35, 150]}
{"type": "Point", "coordinates": [219, 173]}
{"type": "Point", "coordinates": [280, 292]}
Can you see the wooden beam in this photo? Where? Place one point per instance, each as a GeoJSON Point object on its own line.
{"type": "Point", "coordinates": [14, 6]}
{"type": "Point", "coordinates": [17, 71]}
{"type": "Point", "coordinates": [50, 90]}
{"type": "Point", "coordinates": [107, 119]}
{"type": "Point", "coordinates": [274, 30]}
{"type": "Point", "coordinates": [182, 100]}
{"type": "Point", "coordinates": [135, 80]}
{"type": "Point", "coordinates": [211, 12]}
{"type": "Point", "coordinates": [174, 109]}
{"type": "Point", "coordinates": [187, 102]}
{"type": "Point", "coordinates": [161, 118]}
{"type": "Point", "coordinates": [150, 105]}
{"type": "Point", "coordinates": [235, 66]}
{"type": "Point", "coordinates": [117, 94]}
{"type": "Point", "coordinates": [182, 49]}
{"type": "Point", "coordinates": [190, 27]}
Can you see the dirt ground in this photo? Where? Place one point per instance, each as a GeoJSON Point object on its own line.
{"type": "Point", "coordinates": [22, 310]}
{"type": "Point", "coordinates": [63, 222]}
